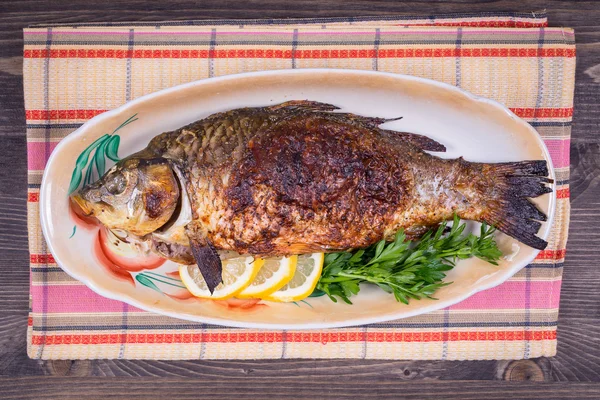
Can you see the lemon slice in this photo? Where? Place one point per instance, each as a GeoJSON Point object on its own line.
{"type": "Point", "coordinates": [238, 273]}
{"type": "Point", "coordinates": [274, 274]}
{"type": "Point", "coordinates": [308, 272]}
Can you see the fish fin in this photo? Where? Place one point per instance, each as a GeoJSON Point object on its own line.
{"type": "Point", "coordinates": [305, 105]}
{"type": "Point", "coordinates": [415, 232]}
{"type": "Point", "coordinates": [305, 248]}
{"type": "Point", "coordinates": [422, 142]}
{"type": "Point", "coordinates": [373, 122]}
{"type": "Point", "coordinates": [207, 259]}
{"type": "Point", "coordinates": [361, 120]}
{"type": "Point", "coordinates": [173, 251]}
{"type": "Point", "coordinates": [510, 209]}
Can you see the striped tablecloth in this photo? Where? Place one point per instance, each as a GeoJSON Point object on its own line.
{"type": "Point", "coordinates": [73, 73]}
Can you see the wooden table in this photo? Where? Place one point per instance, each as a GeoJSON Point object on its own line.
{"type": "Point", "coordinates": [578, 358]}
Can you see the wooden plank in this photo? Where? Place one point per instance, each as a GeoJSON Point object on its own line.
{"type": "Point", "coordinates": [298, 387]}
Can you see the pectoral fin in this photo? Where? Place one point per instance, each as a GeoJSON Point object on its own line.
{"type": "Point", "coordinates": [208, 261]}
{"type": "Point", "coordinates": [304, 248]}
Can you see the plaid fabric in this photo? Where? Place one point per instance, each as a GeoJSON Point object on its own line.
{"type": "Point", "coordinates": [72, 74]}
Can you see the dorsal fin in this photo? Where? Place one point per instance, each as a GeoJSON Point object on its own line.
{"type": "Point", "coordinates": [422, 142]}
{"type": "Point", "coordinates": [307, 105]}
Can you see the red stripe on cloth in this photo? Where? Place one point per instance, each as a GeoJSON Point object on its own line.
{"type": "Point", "coordinates": [563, 193]}
{"type": "Point", "coordinates": [467, 52]}
{"type": "Point", "coordinates": [33, 197]}
{"type": "Point", "coordinates": [299, 54]}
{"type": "Point", "coordinates": [551, 254]}
{"type": "Point", "coordinates": [61, 114]}
{"type": "Point", "coordinates": [42, 259]}
{"type": "Point", "coordinates": [29, 321]}
{"type": "Point", "coordinates": [489, 24]}
{"type": "Point", "coordinates": [292, 337]}
{"type": "Point", "coordinates": [87, 114]}
{"type": "Point", "coordinates": [543, 112]}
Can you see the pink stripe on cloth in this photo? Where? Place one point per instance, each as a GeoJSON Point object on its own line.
{"type": "Point", "coordinates": [73, 299]}
{"type": "Point", "coordinates": [560, 151]}
{"type": "Point", "coordinates": [511, 295]}
{"type": "Point", "coordinates": [38, 153]}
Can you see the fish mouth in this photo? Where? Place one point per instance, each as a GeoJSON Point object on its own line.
{"type": "Point", "coordinates": [81, 206]}
{"type": "Point", "coordinates": [84, 207]}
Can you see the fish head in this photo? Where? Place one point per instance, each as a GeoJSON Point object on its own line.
{"type": "Point", "coordinates": [138, 195]}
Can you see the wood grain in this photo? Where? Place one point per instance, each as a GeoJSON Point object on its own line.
{"type": "Point", "coordinates": [578, 357]}
{"type": "Point", "coordinates": [297, 388]}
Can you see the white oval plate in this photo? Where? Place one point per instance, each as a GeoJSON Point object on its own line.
{"type": "Point", "coordinates": [477, 129]}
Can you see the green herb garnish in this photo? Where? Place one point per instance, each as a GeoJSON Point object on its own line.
{"type": "Point", "coordinates": [408, 270]}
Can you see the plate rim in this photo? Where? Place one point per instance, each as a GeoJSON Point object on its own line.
{"type": "Point", "coordinates": [106, 292]}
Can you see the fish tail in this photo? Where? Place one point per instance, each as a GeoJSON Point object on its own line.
{"type": "Point", "coordinates": [508, 188]}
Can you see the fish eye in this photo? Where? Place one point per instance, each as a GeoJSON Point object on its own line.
{"type": "Point", "coordinates": [116, 183]}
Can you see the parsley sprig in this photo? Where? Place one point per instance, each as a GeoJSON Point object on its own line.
{"type": "Point", "coordinates": [406, 269]}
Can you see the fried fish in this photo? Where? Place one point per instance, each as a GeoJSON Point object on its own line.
{"type": "Point", "coordinates": [300, 178]}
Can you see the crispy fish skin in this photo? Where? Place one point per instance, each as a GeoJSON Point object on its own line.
{"type": "Point", "coordinates": [297, 178]}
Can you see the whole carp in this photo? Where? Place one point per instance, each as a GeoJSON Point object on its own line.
{"type": "Point", "coordinates": [300, 178]}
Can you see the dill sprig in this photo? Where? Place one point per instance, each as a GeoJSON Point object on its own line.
{"type": "Point", "coordinates": [406, 269]}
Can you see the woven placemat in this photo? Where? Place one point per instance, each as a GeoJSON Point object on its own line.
{"type": "Point", "coordinates": [73, 73]}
